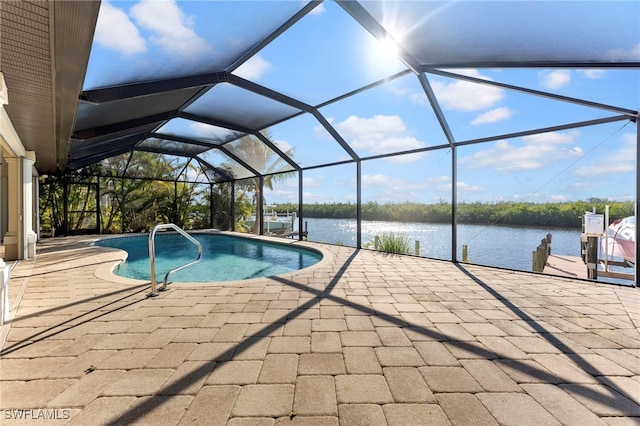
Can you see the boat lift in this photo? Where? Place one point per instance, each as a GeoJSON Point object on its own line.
{"type": "Point", "coordinates": [597, 239]}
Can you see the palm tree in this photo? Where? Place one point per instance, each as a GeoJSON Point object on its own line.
{"type": "Point", "coordinates": [262, 158]}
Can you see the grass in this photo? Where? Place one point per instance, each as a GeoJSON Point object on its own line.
{"type": "Point", "coordinates": [390, 242]}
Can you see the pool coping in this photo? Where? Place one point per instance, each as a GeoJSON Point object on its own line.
{"type": "Point", "coordinates": [105, 271]}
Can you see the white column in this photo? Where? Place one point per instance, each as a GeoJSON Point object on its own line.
{"type": "Point", "coordinates": [4, 292]}
{"type": "Point", "coordinates": [4, 268]}
{"type": "Point", "coordinates": [29, 206]}
{"type": "Point", "coordinates": [14, 237]}
{"type": "Point", "coordinates": [20, 240]}
{"type": "Point", "coordinates": [8, 138]}
{"type": "Point", "coordinates": [3, 195]}
{"type": "Point", "coordinates": [36, 203]}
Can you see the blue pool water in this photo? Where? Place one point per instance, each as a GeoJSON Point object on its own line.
{"type": "Point", "coordinates": [225, 258]}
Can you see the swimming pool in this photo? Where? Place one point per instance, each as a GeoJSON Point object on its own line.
{"type": "Point", "coordinates": [225, 257]}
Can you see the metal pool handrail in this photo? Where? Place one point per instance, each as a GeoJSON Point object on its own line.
{"type": "Point", "coordinates": [152, 255]}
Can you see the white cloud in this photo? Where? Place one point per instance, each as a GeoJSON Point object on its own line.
{"type": "Point", "coordinates": [606, 168]}
{"type": "Point", "coordinates": [593, 74]}
{"type": "Point", "coordinates": [554, 79]}
{"type": "Point", "coordinates": [318, 10]}
{"type": "Point", "coordinates": [625, 54]}
{"type": "Point", "coordinates": [380, 134]}
{"type": "Point", "coordinates": [388, 189]}
{"type": "Point", "coordinates": [320, 133]}
{"type": "Point", "coordinates": [416, 97]}
{"type": "Point", "coordinates": [532, 197]}
{"type": "Point", "coordinates": [371, 180]}
{"type": "Point", "coordinates": [210, 132]}
{"type": "Point", "coordinates": [463, 95]}
{"type": "Point", "coordinates": [443, 184]}
{"type": "Point", "coordinates": [171, 29]}
{"type": "Point", "coordinates": [467, 188]}
{"type": "Point", "coordinates": [253, 68]}
{"type": "Point", "coordinates": [621, 160]}
{"type": "Point", "coordinates": [559, 198]}
{"type": "Point", "coordinates": [310, 182]}
{"type": "Point", "coordinates": [440, 179]}
{"type": "Point", "coordinates": [314, 197]}
{"type": "Point", "coordinates": [536, 152]}
{"type": "Point", "coordinates": [115, 31]}
{"type": "Point", "coordinates": [283, 145]}
{"type": "Point", "coordinates": [462, 187]}
{"type": "Point", "coordinates": [552, 138]}
{"type": "Point", "coordinates": [493, 116]}
{"type": "Point", "coordinates": [401, 187]}
{"type": "Point", "coordinates": [281, 195]}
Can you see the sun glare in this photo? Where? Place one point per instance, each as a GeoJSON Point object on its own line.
{"type": "Point", "coordinates": [388, 49]}
{"type": "Point", "coordinates": [384, 55]}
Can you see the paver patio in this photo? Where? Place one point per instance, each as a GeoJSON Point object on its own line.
{"type": "Point", "coordinates": [436, 343]}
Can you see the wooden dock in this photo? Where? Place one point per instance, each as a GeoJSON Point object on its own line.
{"type": "Point", "coordinates": [574, 267]}
{"type": "Point", "coordinates": [566, 266]}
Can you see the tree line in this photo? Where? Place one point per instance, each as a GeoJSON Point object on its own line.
{"type": "Point", "coordinates": [132, 193]}
{"type": "Point", "coordinates": [561, 215]}
{"type": "Point", "coordinates": [124, 199]}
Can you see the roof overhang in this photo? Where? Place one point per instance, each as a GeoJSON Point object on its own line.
{"type": "Point", "coordinates": [44, 51]}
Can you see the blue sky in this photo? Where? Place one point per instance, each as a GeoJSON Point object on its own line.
{"type": "Point", "coordinates": [327, 54]}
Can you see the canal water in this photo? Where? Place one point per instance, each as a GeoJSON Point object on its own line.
{"type": "Point", "coordinates": [503, 246]}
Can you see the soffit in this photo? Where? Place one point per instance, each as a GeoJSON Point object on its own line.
{"type": "Point", "coordinates": [26, 63]}
{"type": "Point", "coordinates": [44, 49]}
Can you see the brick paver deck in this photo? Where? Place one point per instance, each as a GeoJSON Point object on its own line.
{"type": "Point", "coordinates": [362, 338]}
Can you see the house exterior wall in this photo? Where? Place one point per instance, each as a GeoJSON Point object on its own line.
{"type": "Point", "coordinates": [17, 201]}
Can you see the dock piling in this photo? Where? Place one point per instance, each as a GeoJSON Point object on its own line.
{"type": "Point", "coordinates": [591, 258]}
{"type": "Point", "coordinates": [541, 254]}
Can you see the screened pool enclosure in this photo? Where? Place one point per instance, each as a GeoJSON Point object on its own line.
{"type": "Point", "coordinates": [483, 125]}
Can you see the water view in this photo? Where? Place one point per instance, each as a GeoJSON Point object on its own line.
{"type": "Point", "coordinates": [503, 246]}
{"type": "Point", "coordinates": [491, 245]}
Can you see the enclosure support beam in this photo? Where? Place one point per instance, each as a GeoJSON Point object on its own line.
{"type": "Point", "coordinates": [359, 204]}
{"type": "Point", "coordinates": [98, 207]}
{"type": "Point", "coordinates": [259, 209]}
{"type": "Point", "coordinates": [428, 90]}
{"type": "Point", "coordinates": [123, 200]}
{"type": "Point", "coordinates": [210, 205]}
{"type": "Point", "coordinates": [635, 281]}
{"type": "Point", "coordinates": [454, 204]}
{"type": "Point", "coordinates": [300, 208]}
{"type": "Point", "coordinates": [290, 22]}
{"type": "Point", "coordinates": [371, 24]}
{"type": "Point", "coordinates": [435, 105]}
{"type": "Point", "coordinates": [65, 206]}
{"type": "Point", "coordinates": [233, 205]}
{"type": "Point", "coordinates": [175, 203]}
{"type": "Point", "coordinates": [462, 77]}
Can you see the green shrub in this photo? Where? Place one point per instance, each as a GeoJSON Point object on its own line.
{"type": "Point", "coordinates": [393, 243]}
